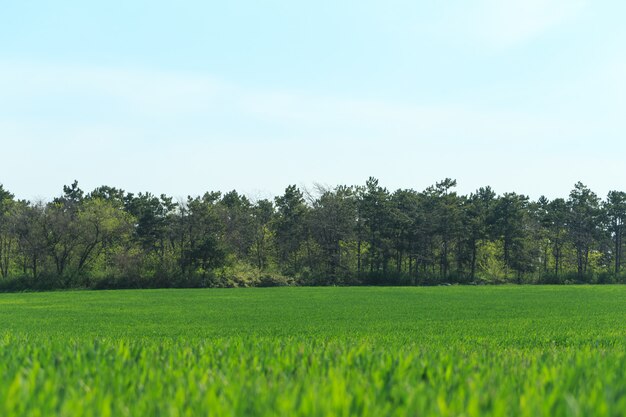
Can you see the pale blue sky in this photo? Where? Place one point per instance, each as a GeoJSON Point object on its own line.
{"type": "Point", "coordinates": [184, 97]}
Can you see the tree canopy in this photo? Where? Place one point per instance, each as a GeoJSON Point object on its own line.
{"type": "Point", "coordinates": [346, 235]}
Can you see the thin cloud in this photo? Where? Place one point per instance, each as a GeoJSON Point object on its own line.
{"type": "Point", "coordinates": [192, 132]}
{"type": "Point", "coordinates": [156, 104]}
{"type": "Point", "coordinates": [502, 24]}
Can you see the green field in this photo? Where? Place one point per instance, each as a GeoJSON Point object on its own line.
{"type": "Point", "coordinates": [444, 351]}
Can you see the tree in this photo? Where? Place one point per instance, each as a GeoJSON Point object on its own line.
{"type": "Point", "coordinates": [375, 223]}
{"type": "Point", "coordinates": [583, 224]}
{"type": "Point", "coordinates": [204, 248]}
{"type": "Point", "coordinates": [60, 222]}
{"type": "Point", "coordinates": [333, 221]}
{"type": "Point", "coordinates": [615, 208]}
{"type": "Point", "coordinates": [236, 215]}
{"type": "Point", "coordinates": [153, 219]}
{"type": "Point", "coordinates": [71, 198]}
{"type": "Point", "coordinates": [479, 222]}
{"type": "Point", "coordinates": [101, 224]}
{"type": "Point", "coordinates": [337, 235]}
{"type": "Point", "coordinates": [290, 228]}
{"type": "Point", "coordinates": [447, 216]}
{"type": "Point", "coordinates": [262, 217]}
{"type": "Point", "coordinates": [28, 227]}
{"type": "Point", "coordinates": [6, 239]}
{"type": "Point", "coordinates": [112, 195]}
{"type": "Point", "coordinates": [510, 225]}
{"type": "Point", "coordinates": [556, 223]}
{"type": "Point", "coordinates": [404, 211]}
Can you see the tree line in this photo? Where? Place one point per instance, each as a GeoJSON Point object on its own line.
{"type": "Point", "coordinates": [347, 235]}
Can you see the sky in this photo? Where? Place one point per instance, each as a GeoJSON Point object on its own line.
{"type": "Point", "coordinates": [191, 96]}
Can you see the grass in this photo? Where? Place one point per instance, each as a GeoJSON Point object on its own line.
{"type": "Point", "coordinates": [445, 351]}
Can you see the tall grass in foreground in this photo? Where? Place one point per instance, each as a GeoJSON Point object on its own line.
{"type": "Point", "coordinates": [315, 352]}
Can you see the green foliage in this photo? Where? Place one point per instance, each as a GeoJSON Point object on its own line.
{"type": "Point", "coordinates": [241, 274]}
{"type": "Point", "coordinates": [347, 235]}
{"type": "Point", "coordinates": [453, 351]}
{"type": "Point", "coordinates": [290, 228]}
{"type": "Point", "coordinates": [492, 267]}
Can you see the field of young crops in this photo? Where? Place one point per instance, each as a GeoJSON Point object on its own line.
{"type": "Point", "coordinates": [445, 351]}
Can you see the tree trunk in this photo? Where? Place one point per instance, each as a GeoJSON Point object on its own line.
{"type": "Point", "coordinates": [473, 262]}
{"type": "Point", "coordinates": [618, 249]}
{"type": "Point", "coordinates": [358, 257]}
